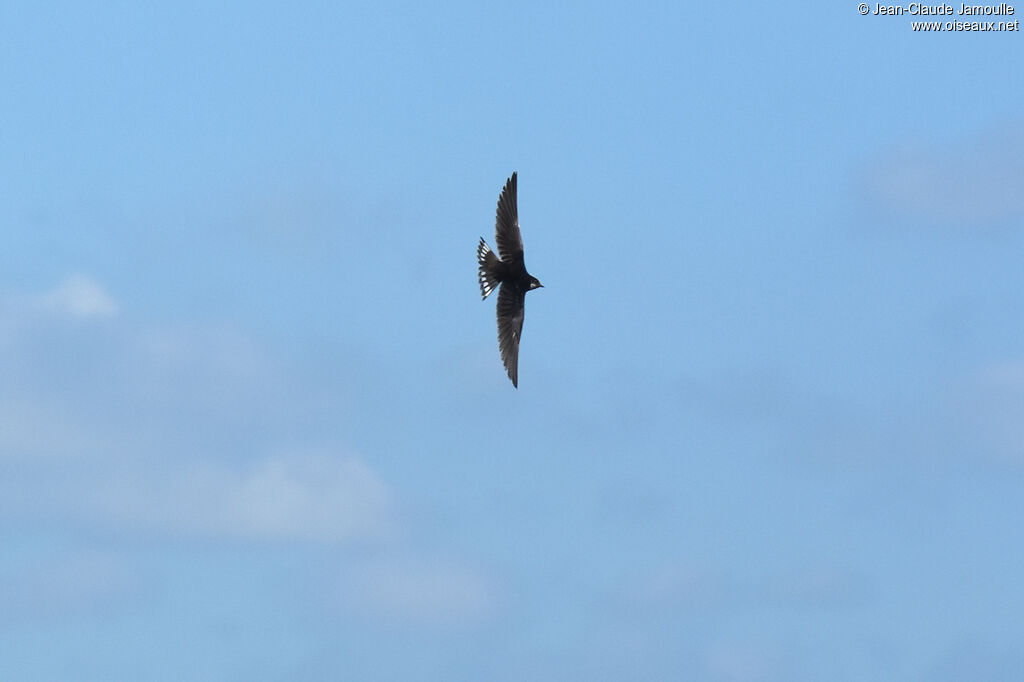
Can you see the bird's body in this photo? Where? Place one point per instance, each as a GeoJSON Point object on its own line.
{"type": "Point", "coordinates": [510, 273]}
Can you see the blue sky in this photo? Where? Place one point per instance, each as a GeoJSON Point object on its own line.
{"type": "Point", "coordinates": [253, 421]}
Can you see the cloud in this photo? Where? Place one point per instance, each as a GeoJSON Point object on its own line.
{"type": "Point", "coordinates": [974, 182]}
{"type": "Point", "coordinates": [748, 662]}
{"type": "Point", "coordinates": [193, 432]}
{"type": "Point", "coordinates": [418, 591]}
{"type": "Point", "coordinates": [79, 296]}
{"type": "Point", "coordinates": [319, 499]}
{"type": "Point", "coordinates": [995, 399]}
{"type": "Point", "coordinates": [682, 585]}
{"type": "Point", "coordinates": [315, 498]}
{"type": "Point", "coordinates": [294, 498]}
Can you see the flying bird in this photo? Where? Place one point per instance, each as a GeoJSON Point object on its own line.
{"type": "Point", "coordinates": [510, 272]}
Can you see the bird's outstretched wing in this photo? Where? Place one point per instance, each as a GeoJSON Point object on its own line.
{"type": "Point", "coordinates": [510, 327]}
{"type": "Point", "coordinates": [506, 224]}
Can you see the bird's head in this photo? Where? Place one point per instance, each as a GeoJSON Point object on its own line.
{"type": "Point", "coordinates": [535, 283]}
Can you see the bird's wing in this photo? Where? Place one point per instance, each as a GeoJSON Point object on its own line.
{"type": "Point", "coordinates": [510, 327]}
{"type": "Point", "coordinates": [506, 223]}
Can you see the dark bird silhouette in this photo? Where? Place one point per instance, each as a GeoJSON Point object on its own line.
{"type": "Point", "coordinates": [510, 272]}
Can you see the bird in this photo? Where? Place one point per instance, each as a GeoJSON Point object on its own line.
{"type": "Point", "coordinates": [510, 273]}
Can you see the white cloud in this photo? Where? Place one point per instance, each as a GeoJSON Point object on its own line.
{"type": "Point", "coordinates": [198, 434]}
{"type": "Point", "coordinates": [297, 498]}
{"type": "Point", "coordinates": [79, 296]}
{"type": "Point", "coordinates": [163, 431]}
{"type": "Point", "coordinates": [974, 182]}
{"type": "Point", "coordinates": [1005, 376]}
{"type": "Point", "coordinates": [681, 586]}
{"type": "Point", "coordinates": [314, 498]}
{"type": "Point", "coordinates": [418, 592]}
{"type": "Point", "coordinates": [747, 662]}
{"type": "Point", "coordinates": [996, 400]}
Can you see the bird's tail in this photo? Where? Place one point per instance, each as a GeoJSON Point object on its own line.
{"type": "Point", "coordinates": [488, 262]}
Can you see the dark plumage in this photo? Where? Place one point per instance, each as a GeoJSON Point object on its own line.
{"type": "Point", "coordinates": [510, 272]}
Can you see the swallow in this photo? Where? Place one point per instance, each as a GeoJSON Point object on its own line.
{"type": "Point", "coordinates": [510, 273]}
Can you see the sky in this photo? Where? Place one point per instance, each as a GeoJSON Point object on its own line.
{"type": "Point", "coordinates": [253, 419]}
